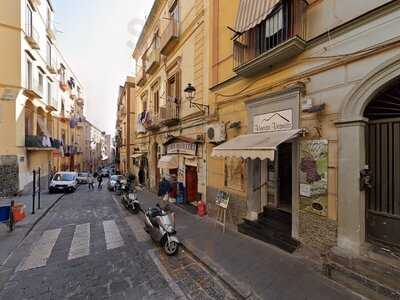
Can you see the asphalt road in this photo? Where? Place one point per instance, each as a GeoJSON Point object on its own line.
{"type": "Point", "coordinates": [89, 247]}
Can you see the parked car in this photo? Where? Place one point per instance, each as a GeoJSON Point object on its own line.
{"type": "Point", "coordinates": [113, 180]}
{"type": "Point", "coordinates": [64, 182]}
{"type": "Point", "coordinates": [105, 172]}
{"type": "Point", "coordinates": [83, 177]}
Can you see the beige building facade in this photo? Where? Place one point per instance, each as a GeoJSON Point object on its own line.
{"type": "Point", "coordinates": [41, 99]}
{"type": "Point", "coordinates": [171, 53]}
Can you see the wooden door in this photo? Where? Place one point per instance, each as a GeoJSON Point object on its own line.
{"type": "Point", "coordinates": [383, 198]}
{"type": "Point", "coordinates": [191, 183]}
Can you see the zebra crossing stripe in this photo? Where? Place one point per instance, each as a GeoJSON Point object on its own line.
{"type": "Point", "coordinates": [112, 235]}
{"type": "Point", "coordinates": [41, 251]}
{"type": "Point", "coordinates": [80, 245]}
{"type": "Point", "coordinates": [136, 226]}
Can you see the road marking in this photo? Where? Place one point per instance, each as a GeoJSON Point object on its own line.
{"type": "Point", "coordinates": [172, 284]}
{"type": "Point", "coordinates": [136, 225]}
{"type": "Point", "coordinates": [80, 245]}
{"type": "Point", "coordinates": [112, 235]}
{"type": "Point", "coordinates": [41, 251]}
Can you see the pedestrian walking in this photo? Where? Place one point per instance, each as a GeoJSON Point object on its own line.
{"type": "Point", "coordinates": [164, 189]}
{"type": "Point", "coordinates": [91, 182]}
{"type": "Point", "coordinates": [100, 181]}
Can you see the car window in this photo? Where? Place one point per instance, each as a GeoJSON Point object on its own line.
{"type": "Point", "coordinates": [114, 177]}
{"type": "Point", "coordinates": [82, 174]}
{"type": "Point", "coordinates": [64, 177]}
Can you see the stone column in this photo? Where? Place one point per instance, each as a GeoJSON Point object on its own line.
{"type": "Point", "coordinates": [351, 201]}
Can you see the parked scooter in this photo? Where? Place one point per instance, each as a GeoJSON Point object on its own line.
{"type": "Point", "coordinates": [160, 225]}
{"type": "Point", "coordinates": [129, 199]}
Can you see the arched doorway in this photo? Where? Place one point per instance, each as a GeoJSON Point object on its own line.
{"type": "Point", "coordinates": [383, 160]}
{"type": "Point", "coordinates": [353, 129]}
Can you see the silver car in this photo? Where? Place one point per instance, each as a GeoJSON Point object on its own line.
{"type": "Point", "coordinates": [83, 177]}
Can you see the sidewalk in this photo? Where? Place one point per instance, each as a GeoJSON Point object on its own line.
{"type": "Point", "coordinates": [252, 267]}
{"type": "Point", "coordinates": [10, 240]}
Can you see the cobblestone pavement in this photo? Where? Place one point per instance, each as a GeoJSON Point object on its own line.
{"type": "Point", "coordinates": [88, 247]}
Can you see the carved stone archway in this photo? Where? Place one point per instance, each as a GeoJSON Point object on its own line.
{"type": "Point", "coordinates": [351, 159]}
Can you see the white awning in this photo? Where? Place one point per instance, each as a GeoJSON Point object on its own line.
{"type": "Point", "coordinates": [137, 155]}
{"type": "Point", "coordinates": [168, 162]}
{"type": "Point", "coordinates": [253, 12]}
{"type": "Point", "coordinates": [258, 145]}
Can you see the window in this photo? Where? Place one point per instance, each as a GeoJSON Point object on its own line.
{"type": "Point", "coordinates": [49, 93]}
{"type": "Point", "coordinates": [28, 21]}
{"type": "Point", "coordinates": [174, 12]}
{"type": "Point", "coordinates": [28, 74]}
{"type": "Point", "coordinates": [156, 101]}
{"type": "Point", "coordinates": [173, 88]}
{"type": "Point", "coordinates": [274, 24]}
{"type": "Point", "coordinates": [40, 82]}
{"type": "Point", "coordinates": [49, 53]}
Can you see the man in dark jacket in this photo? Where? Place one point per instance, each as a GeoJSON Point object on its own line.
{"type": "Point", "coordinates": [164, 188]}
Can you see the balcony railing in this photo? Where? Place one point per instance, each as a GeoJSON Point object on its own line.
{"type": "Point", "coordinates": [275, 40]}
{"type": "Point", "coordinates": [33, 37]}
{"type": "Point", "coordinates": [153, 61]}
{"type": "Point", "coordinates": [32, 88]}
{"type": "Point", "coordinates": [169, 37]}
{"type": "Point", "coordinates": [52, 65]}
{"type": "Point", "coordinates": [169, 114]}
{"type": "Point", "coordinates": [35, 142]}
{"type": "Point", "coordinates": [140, 76]}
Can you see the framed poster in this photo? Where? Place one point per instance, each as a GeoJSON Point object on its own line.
{"type": "Point", "coordinates": [222, 199]}
{"type": "Point", "coordinates": [314, 176]}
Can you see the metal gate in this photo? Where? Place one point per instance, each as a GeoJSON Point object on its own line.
{"type": "Point", "coordinates": [383, 198]}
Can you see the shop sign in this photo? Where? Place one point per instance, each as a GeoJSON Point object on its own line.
{"type": "Point", "coordinates": [182, 148]}
{"type": "Point", "coordinates": [275, 121]}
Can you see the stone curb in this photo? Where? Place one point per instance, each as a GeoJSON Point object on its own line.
{"type": "Point", "coordinates": [240, 289]}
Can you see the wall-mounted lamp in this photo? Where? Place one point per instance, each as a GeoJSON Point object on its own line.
{"type": "Point", "coordinates": [190, 92]}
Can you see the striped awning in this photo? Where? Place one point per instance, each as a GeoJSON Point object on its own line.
{"type": "Point", "coordinates": [252, 13]}
{"type": "Point", "coordinates": [253, 146]}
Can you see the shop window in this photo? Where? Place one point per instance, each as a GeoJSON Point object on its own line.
{"type": "Point", "coordinates": [234, 173]}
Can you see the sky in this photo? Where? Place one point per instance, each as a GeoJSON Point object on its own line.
{"type": "Point", "coordinates": [97, 38]}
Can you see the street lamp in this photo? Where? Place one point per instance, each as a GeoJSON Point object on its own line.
{"type": "Point", "coordinates": [190, 92]}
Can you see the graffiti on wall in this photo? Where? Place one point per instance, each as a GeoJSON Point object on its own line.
{"type": "Point", "coordinates": [314, 176]}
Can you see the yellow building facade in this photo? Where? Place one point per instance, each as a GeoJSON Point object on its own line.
{"type": "Point", "coordinates": [292, 81]}
{"type": "Point", "coordinates": [172, 52]}
{"type": "Point", "coordinates": [41, 100]}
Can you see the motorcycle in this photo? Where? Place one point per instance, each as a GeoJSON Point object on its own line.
{"type": "Point", "coordinates": [129, 199]}
{"type": "Point", "coordinates": [160, 225]}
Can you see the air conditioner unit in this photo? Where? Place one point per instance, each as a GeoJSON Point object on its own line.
{"type": "Point", "coordinates": [216, 133]}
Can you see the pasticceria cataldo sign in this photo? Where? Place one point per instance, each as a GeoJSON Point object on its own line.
{"type": "Point", "coordinates": [275, 121]}
{"type": "Point", "coordinates": [181, 148]}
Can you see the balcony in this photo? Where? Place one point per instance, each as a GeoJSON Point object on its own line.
{"type": "Point", "coordinates": [140, 77]}
{"type": "Point", "coordinates": [32, 89]}
{"type": "Point", "coordinates": [153, 122]}
{"type": "Point", "coordinates": [52, 65]}
{"type": "Point", "coordinates": [169, 114]}
{"type": "Point", "coordinates": [52, 105]}
{"type": "Point", "coordinates": [35, 4]}
{"type": "Point", "coordinates": [80, 101]}
{"type": "Point", "coordinates": [153, 61]}
{"type": "Point", "coordinates": [41, 143]}
{"type": "Point", "coordinates": [63, 86]}
{"type": "Point", "coordinates": [169, 37]}
{"type": "Point", "coordinates": [283, 38]}
{"type": "Point", "coordinates": [32, 37]}
{"type": "Point", "coordinates": [51, 33]}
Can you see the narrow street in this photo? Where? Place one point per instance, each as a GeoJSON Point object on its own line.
{"type": "Point", "coordinates": [89, 247]}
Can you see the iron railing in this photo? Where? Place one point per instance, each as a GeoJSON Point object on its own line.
{"type": "Point", "coordinates": [170, 34]}
{"type": "Point", "coordinates": [284, 23]}
{"type": "Point", "coordinates": [169, 112]}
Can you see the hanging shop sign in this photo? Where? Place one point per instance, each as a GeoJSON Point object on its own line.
{"type": "Point", "coordinates": [314, 176]}
{"type": "Point", "coordinates": [182, 148]}
{"type": "Point", "coordinates": [275, 121]}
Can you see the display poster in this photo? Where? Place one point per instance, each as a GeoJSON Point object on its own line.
{"type": "Point", "coordinates": [222, 199]}
{"type": "Point", "coordinates": [314, 176]}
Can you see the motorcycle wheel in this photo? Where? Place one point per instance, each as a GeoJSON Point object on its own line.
{"type": "Point", "coordinates": [133, 210]}
{"type": "Point", "coordinates": [171, 248]}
